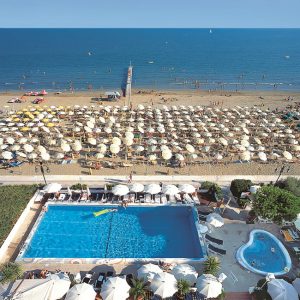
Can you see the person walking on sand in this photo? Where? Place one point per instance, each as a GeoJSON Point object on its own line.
{"type": "Point", "coordinates": [130, 177]}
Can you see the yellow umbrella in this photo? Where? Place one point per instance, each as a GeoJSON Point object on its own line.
{"type": "Point", "coordinates": [45, 120]}
{"type": "Point", "coordinates": [49, 110]}
{"type": "Point", "coordinates": [24, 129]}
{"type": "Point", "coordinates": [60, 107]}
{"type": "Point", "coordinates": [25, 109]}
{"type": "Point", "coordinates": [50, 125]}
{"type": "Point", "coordinates": [14, 116]}
{"type": "Point", "coordinates": [19, 112]}
{"type": "Point", "coordinates": [16, 120]}
{"type": "Point", "coordinates": [40, 109]}
{"type": "Point", "coordinates": [26, 119]}
{"type": "Point", "coordinates": [36, 112]}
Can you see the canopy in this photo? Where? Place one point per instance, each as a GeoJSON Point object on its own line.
{"type": "Point", "coordinates": [152, 189]}
{"type": "Point", "coordinates": [280, 289]}
{"type": "Point", "coordinates": [170, 189]}
{"type": "Point", "coordinates": [215, 219]}
{"type": "Point", "coordinates": [81, 291]}
{"type": "Point", "coordinates": [296, 285]}
{"type": "Point", "coordinates": [120, 190]}
{"type": "Point", "coordinates": [61, 285]}
{"type": "Point", "coordinates": [186, 188]}
{"type": "Point", "coordinates": [148, 271]}
{"type": "Point", "coordinates": [209, 286]}
{"type": "Point", "coordinates": [52, 188]}
{"type": "Point", "coordinates": [136, 187]}
{"type": "Point", "coordinates": [186, 272]}
{"type": "Point", "coordinates": [115, 288]}
{"type": "Point", "coordinates": [164, 285]}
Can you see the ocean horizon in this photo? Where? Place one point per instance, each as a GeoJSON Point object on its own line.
{"type": "Point", "coordinates": [173, 59]}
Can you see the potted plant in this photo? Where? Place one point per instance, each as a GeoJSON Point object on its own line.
{"type": "Point", "coordinates": [212, 265]}
{"type": "Point", "coordinates": [183, 287]}
{"type": "Point", "coordinates": [138, 289]}
{"type": "Point", "coordinates": [10, 272]}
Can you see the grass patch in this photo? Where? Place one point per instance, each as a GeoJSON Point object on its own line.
{"type": "Point", "coordinates": [13, 200]}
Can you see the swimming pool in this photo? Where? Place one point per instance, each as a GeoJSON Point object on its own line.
{"type": "Point", "coordinates": [264, 254]}
{"type": "Point", "coordinates": [72, 231]}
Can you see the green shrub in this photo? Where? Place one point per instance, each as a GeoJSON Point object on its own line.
{"type": "Point", "coordinates": [183, 287]}
{"type": "Point", "coordinates": [291, 184]}
{"type": "Point", "coordinates": [13, 200]}
{"type": "Point", "coordinates": [212, 265]}
{"type": "Point", "coordinates": [78, 186]}
{"type": "Point", "coordinates": [207, 184]}
{"type": "Point", "coordinates": [10, 271]}
{"type": "Point", "coordinates": [239, 186]}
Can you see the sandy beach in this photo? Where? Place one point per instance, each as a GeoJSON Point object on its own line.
{"type": "Point", "coordinates": [266, 100]}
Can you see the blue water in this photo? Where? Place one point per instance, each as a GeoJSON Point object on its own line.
{"type": "Point", "coordinates": [57, 59]}
{"type": "Point", "coordinates": [260, 253]}
{"type": "Point", "coordinates": [135, 232]}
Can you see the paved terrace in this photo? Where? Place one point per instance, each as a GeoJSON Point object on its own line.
{"type": "Point", "coordinates": [235, 232]}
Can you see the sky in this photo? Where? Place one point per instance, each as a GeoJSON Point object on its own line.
{"type": "Point", "coordinates": [149, 13]}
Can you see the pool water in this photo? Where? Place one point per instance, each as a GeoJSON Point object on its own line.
{"type": "Point", "coordinates": [70, 231]}
{"type": "Point", "coordinates": [264, 253]}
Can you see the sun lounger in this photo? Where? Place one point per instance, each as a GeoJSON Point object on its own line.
{"type": "Point", "coordinates": [61, 197]}
{"type": "Point", "coordinates": [196, 199]}
{"type": "Point", "coordinates": [88, 277]}
{"type": "Point", "coordinates": [77, 278]}
{"type": "Point", "coordinates": [213, 240]}
{"type": "Point", "coordinates": [294, 234]}
{"type": "Point", "coordinates": [202, 218]}
{"type": "Point", "coordinates": [76, 196]}
{"type": "Point", "coordinates": [99, 281]}
{"type": "Point", "coordinates": [163, 199]}
{"type": "Point", "coordinates": [287, 236]}
{"type": "Point", "coordinates": [157, 199]}
{"type": "Point", "coordinates": [203, 213]}
{"type": "Point", "coordinates": [147, 198]}
{"type": "Point", "coordinates": [216, 250]}
{"type": "Point", "coordinates": [84, 197]}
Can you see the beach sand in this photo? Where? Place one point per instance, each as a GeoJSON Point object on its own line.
{"type": "Point", "coordinates": [270, 100]}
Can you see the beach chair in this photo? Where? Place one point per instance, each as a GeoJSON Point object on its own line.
{"type": "Point", "coordinates": [99, 281]}
{"type": "Point", "coordinates": [287, 236]}
{"type": "Point", "coordinates": [213, 240]}
{"type": "Point", "coordinates": [157, 199]}
{"type": "Point", "coordinates": [77, 278]}
{"type": "Point", "coordinates": [62, 197]}
{"type": "Point", "coordinates": [163, 199]}
{"type": "Point", "coordinates": [216, 250]}
{"type": "Point", "coordinates": [195, 199]}
{"type": "Point", "coordinates": [84, 197]}
{"type": "Point", "coordinates": [147, 198]}
{"type": "Point", "coordinates": [203, 213]}
{"type": "Point", "coordinates": [88, 277]}
{"type": "Point", "coordinates": [202, 218]}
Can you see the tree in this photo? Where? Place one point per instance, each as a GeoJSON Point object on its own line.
{"type": "Point", "coordinates": [10, 271]}
{"type": "Point", "coordinates": [183, 287]}
{"type": "Point", "coordinates": [276, 204]}
{"type": "Point", "coordinates": [212, 265]}
{"type": "Point", "coordinates": [207, 184]}
{"type": "Point", "coordinates": [138, 289]}
{"type": "Point", "coordinates": [238, 186]}
{"type": "Point", "coordinates": [291, 184]}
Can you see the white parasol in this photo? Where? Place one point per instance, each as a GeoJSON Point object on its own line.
{"type": "Point", "coordinates": [120, 190]}
{"type": "Point", "coordinates": [185, 272]}
{"type": "Point", "coordinates": [148, 271]}
{"type": "Point", "coordinates": [186, 188]}
{"type": "Point", "coordinates": [152, 189]}
{"type": "Point", "coordinates": [208, 286]}
{"type": "Point", "coordinates": [164, 285]}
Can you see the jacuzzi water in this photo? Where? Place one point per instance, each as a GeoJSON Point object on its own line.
{"type": "Point", "coordinates": [264, 253]}
{"type": "Point", "coordinates": [72, 231]}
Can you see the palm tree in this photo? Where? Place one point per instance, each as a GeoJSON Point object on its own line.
{"type": "Point", "coordinates": [212, 265]}
{"type": "Point", "coordinates": [10, 271]}
{"type": "Point", "coordinates": [138, 289]}
{"type": "Point", "coordinates": [183, 287]}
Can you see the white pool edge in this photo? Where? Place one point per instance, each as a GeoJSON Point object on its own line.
{"type": "Point", "coordinates": [20, 257]}
{"type": "Point", "coordinates": [242, 261]}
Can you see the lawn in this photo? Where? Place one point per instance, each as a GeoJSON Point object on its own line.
{"type": "Point", "coordinates": [13, 200]}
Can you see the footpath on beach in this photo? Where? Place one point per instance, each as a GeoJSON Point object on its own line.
{"type": "Point", "coordinates": [96, 180]}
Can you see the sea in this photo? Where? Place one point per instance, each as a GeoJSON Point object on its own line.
{"type": "Point", "coordinates": [172, 59]}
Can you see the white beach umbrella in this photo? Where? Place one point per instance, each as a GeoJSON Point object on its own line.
{"type": "Point", "coordinates": [102, 148]}
{"type": "Point", "coordinates": [262, 156]}
{"type": "Point", "coordinates": [209, 286]}
{"type": "Point", "coordinates": [32, 155]}
{"type": "Point", "coordinates": [215, 219]}
{"type": "Point", "coordinates": [179, 156]}
{"type": "Point", "coordinates": [152, 188]}
{"type": "Point", "coordinates": [148, 271]}
{"type": "Point", "coordinates": [116, 141]}
{"type": "Point", "coordinates": [166, 154]}
{"type": "Point", "coordinates": [279, 289]}
{"type": "Point", "coordinates": [190, 148]}
{"type": "Point", "coordinates": [61, 285]}
{"type": "Point", "coordinates": [139, 148]}
{"type": "Point", "coordinates": [223, 141]}
{"type": "Point", "coordinates": [92, 141]}
{"type": "Point", "coordinates": [296, 285]}
{"type": "Point", "coordinates": [114, 148]}
{"type": "Point", "coordinates": [10, 140]}
{"type": "Point", "coordinates": [28, 148]}
{"type": "Point", "coordinates": [41, 149]}
{"type": "Point", "coordinates": [186, 188]}
{"type": "Point", "coordinates": [120, 190]}
{"type": "Point", "coordinates": [65, 147]}
{"type": "Point", "coordinates": [136, 187]}
{"type": "Point", "coordinates": [152, 157]}
{"type": "Point", "coordinates": [81, 291]}
{"type": "Point", "coordinates": [76, 146]}
{"type": "Point", "coordinates": [164, 285]}
{"type": "Point", "coordinates": [15, 147]}
{"type": "Point", "coordinates": [170, 189]}
{"type": "Point", "coordinates": [21, 154]}
{"type": "Point", "coordinates": [115, 288]}
{"type": "Point", "coordinates": [128, 141]}
{"type": "Point", "coordinates": [52, 187]}
{"type": "Point", "coordinates": [287, 155]}
{"type": "Point", "coordinates": [246, 155]}
{"type": "Point", "coordinates": [7, 155]}
{"type": "Point", "coordinates": [185, 272]}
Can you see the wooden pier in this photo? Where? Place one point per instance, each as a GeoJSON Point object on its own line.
{"type": "Point", "coordinates": [128, 85]}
